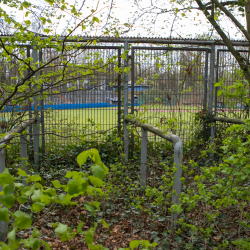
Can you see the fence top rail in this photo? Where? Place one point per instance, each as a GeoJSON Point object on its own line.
{"type": "Point", "coordinates": [154, 40]}
{"type": "Point", "coordinates": [169, 48]}
{"type": "Point", "coordinates": [228, 120]}
{"type": "Point", "coordinates": [169, 137]}
{"type": "Point", "coordinates": [18, 129]}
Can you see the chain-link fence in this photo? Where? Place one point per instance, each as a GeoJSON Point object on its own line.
{"type": "Point", "coordinates": [166, 85]}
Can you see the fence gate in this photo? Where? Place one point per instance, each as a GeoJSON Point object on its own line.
{"type": "Point", "coordinates": [168, 85]}
{"type": "Point", "coordinates": [93, 105]}
{"type": "Point", "coordinates": [228, 69]}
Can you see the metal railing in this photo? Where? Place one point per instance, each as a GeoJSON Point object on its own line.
{"type": "Point", "coordinates": [24, 155]}
{"type": "Point", "coordinates": [178, 155]}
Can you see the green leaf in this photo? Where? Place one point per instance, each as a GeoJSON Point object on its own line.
{"type": "Point", "coordinates": [45, 199]}
{"type": "Point", "coordinates": [23, 220]}
{"type": "Point", "coordinates": [37, 206]}
{"type": "Point", "coordinates": [74, 187]}
{"type": "Point", "coordinates": [57, 184]}
{"type": "Point", "coordinates": [6, 178]}
{"type": "Point", "coordinates": [34, 178]}
{"type": "Point", "coordinates": [27, 191]}
{"type": "Point", "coordinates": [46, 30]}
{"type": "Point", "coordinates": [21, 172]}
{"type": "Point", "coordinates": [8, 189]}
{"type": "Point", "coordinates": [92, 153]}
{"type": "Point", "coordinates": [8, 200]}
{"type": "Point", "coordinates": [135, 243]}
{"type": "Point", "coordinates": [79, 227]}
{"type": "Point", "coordinates": [89, 237]}
{"type": "Point", "coordinates": [82, 157]}
{"type": "Point", "coordinates": [90, 209]}
{"type": "Point", "coordinates": [95, 19]}
{"type": "Point", "coordinates": [4, 214]}
{"type": "Point", "coordinates": [37, 195]}
{"type": "Point", "coordinates": [13, 243]}
{"type": "Point", "coordinates": [32, 243]}
{"type": "Point", "coordinates": [50, 192]}
{"type": "Point", "coordinates": [47, 246]}
{"type": "Point", "coordinates": [62, 231]}
{"type": "Point", "coordinates": [104, 223]}
{"type": "Point", "coordinates": [26, 4]}
{"type": "Point", "coordinates": [22, 199]}
{"type": "Point", "coordinates": [5, 247]}
{"type": "Point", "coordinates": [98, 171]}
{"type": "Point", "coordinates": [95, 204]}
{"type": "Point", "coordinates": [95, 181]}
{"type": "Point", "coordinates": [35, 232]}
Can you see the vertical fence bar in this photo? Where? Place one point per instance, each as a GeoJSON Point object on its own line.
{"type": "Point", "coordinates": [24, 153]}
{"type": "Point", "coordinates": [30, 107]}
{"type": "Point", "coordinates": [125, 104]}
{"type": "Point", "coordinates": [119, 93]}
{"type": "Point", "coordinates": [132, 81]}
{"type": "Point", "coordinates": [3, 224]}
{"type": "Point", "coordinates": [144, 144]}
{"type": "Point", "coordinates": [205, 82]}
{"type": "Point", "coordinates": [42, 109]}
{"type": "Point", "coordinates": [132, 86]}
{"type": "Point", "coordinates": [205, 94]}
{"type": "Point", "coordinates": [211, 79]}
{"type": "Point", "coordinates": [210, 101]}
{"type": "Point", "coordinates": [216, 79]}
{"type": "Point", "coordinates": [178, 153]}
{"type": "Point", "coordinates": [36, 126]}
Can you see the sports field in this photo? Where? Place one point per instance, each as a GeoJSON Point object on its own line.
{"type": "Point", "coordinates": [89, 121]}
{"type": "Point", "coordinates": [70, 123]}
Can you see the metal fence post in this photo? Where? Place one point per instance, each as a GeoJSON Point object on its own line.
{"type": "Point", "coordinates": [30, 106]}
{"type": "Point", "coordinates": [35, 126]}
{"type": "Point", "coordinates": [3, 224]}
{"type": "Point", "coordinates": [119, 94]}
{"type": "Point", "coordinates": [178, 152]}
{"type": "Point", "coordinates": [125, 104]}
{"type": "Point", "coordinates": [42, 109]}
{"type": "Point", "coordinates": [210, 100]}
{"type": "Point", "coordinates": [144, 143]}
{"type": "Point", "coordinates": [24, 153]}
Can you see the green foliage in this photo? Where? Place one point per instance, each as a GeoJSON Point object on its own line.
{"type": "Point", "coordinates": [40, 197]}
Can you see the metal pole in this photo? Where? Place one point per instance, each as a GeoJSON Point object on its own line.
{"type": "Point", "coordinates": [3, 224]}
{"type": "Point", "coordinates": [205, 82]}
{"type": "Point", "coordinates": [30, 107]}
{"type": "Point", "coordinates": [24, 153]}
{"type": "Point", "coordinates": [211, 79]}
{"type": "Point", "coordinates": [144, 143]}
{"type": "Point", "coordinates": [132, 96]}
{"type": "Point", "coordinates": [205, 94]}
{"type": "Point", "coordinates": [125, 104]}
{"type": "Point", "coordinates": [178, 152]}
{"type": "Point", "coordinates": [35, 126]}
{"type": "Point", "coordinates": [119, 94]}
{"type": "Point", "coordinates": [42, 110]}
{"type": "Point", "coordinates": [210, 101]}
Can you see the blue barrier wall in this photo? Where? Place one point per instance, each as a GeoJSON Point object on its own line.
{"type": "Point", "coordinates": [64, 106]}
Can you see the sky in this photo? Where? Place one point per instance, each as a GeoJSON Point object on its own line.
{"type": "Point", "coordinates": [117, 19]}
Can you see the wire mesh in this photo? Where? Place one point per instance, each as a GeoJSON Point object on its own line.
{"type": "Point", "coordinates": [88, 104]}
{"type": "Point", "coordinates": [228, 73]}
{"type": "Point", "coordinates": [169, 87]}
